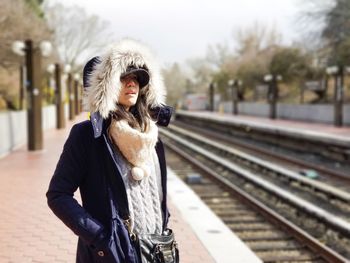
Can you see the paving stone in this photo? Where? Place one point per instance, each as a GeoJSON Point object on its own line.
{"type": "Point", "coordinates": [29, 232]}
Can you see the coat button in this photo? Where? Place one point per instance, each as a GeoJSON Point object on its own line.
{"type": "Point", "coordinates": [101, 253]}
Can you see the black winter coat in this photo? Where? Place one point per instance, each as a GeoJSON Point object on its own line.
{"type": "Point", "coordinates": [85, 163]}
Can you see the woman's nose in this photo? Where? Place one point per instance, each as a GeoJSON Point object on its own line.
{"type": "Point", "coordinates": [131, 83]}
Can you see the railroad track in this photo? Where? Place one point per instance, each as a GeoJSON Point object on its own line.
{"type": "Point", "coordinates": [326, 196]}
{"type": "Point", "coordinates": [285, 243]}
{"type": "Point", "coordinates": [336, 177]}
{"type": "Point", "coordinates": [308, 144]}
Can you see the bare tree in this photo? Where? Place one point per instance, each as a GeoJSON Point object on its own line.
{"type": "Point", "coordinates": [202, 72]}
{"type": "Point", "coordinates": [18, 22]}
{"type": "Point", "coordinates": [329, 23]}
{"type": "Point", "coordinates": [219, 54]}
{"type": "Point", "coordinates": [254, 40]}
{"type": "Point", "coordinates": [77, 35]}
{"type": "Point", "coordinates": [175, 81]}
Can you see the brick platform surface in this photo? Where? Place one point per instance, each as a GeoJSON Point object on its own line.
{"type": "Point", "coordinates": [29, 231]}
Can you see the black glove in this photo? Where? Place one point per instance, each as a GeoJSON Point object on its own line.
{"type": "Point", "coordinates": [162, 115]}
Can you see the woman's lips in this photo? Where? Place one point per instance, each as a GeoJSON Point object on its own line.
{"type": "Point", "coordinates": [130, 93]}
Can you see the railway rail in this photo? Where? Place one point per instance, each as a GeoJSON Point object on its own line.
{"type": "Point", "coordinates": [318, 144]}
{"type": "Point", "coordinates": [327, 196]}
{"type": "Point", "coordinates": [335, 176]}
{"type": "Point", "coordinates": [222, 170]}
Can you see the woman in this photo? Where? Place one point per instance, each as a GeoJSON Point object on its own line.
{"type": "Point", "coordinates": [115, 159]}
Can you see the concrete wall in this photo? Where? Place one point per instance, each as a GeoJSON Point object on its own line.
{"type": "Point", "coordinates": [13, 130]}
{"type": "Point", "coordinates": [49, 117]}
{"type": "Point", "coordinates": [322, 113]}
{"type": "Point", "coordinates": [13, 127]}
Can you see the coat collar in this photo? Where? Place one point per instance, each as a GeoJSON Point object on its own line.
{"type": "Point", "coordinates": [97, 124]}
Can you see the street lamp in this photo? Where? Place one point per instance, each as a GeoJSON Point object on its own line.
{"type": "Point", "coordinates": [338, 73]}
{"type": "Point", "coordinates": [67, 70]}
{"type": "Point", "coordinates": [50, 68]}
{"type": "Point", "coordinates": [33, 86]}
{"type": "Point", "coordinates": [234, 84]}
{"type": "Point", "coordinates": [50, 82]}
{"type": "Point", "coordinates": [18, 47]}
{"type": "Point", "coordinates": [272, 80]}
{"type": "Point", "coordinates": [76, 78]}
{"type": "Point", "coordinates": [212, 87]}
{"type": "Point", "coordinates": [59, 98]}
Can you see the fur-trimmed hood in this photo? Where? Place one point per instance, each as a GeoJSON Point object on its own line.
{"type": "Point", "coordinates": [103, 93]}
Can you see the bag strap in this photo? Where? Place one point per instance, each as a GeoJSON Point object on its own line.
{"type": "Point", "coordinates": [113, 208]}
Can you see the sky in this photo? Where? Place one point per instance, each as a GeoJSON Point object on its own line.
{"type": "Point", "coordinates": [177, 30]}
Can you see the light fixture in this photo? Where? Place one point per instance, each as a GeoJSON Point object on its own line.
{"type": "Point", "coordinates": [18, 47]}
{"type": "Point", "coordinates": [50, 68]}
{"type": "Point", "coordinates": [268, 78]}
{"type": "Point", "coordinates": [332, 70]}
{"type": "Point", "coordinates": [45, 48]}
{"type": "Point", "coordinates": [67, 68]}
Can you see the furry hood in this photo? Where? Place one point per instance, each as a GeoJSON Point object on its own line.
{"type": "Point", "coordinates": [103, 93]}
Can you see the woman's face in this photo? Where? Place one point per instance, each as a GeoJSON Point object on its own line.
{"type": "Point", "coordinates": [129, 91]}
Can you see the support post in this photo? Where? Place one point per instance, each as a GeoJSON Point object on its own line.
{"type": "Point", "coordinates": [34, 97]}
{"type": "Point", "coordinates": [60, 116]}
{"type": "Point", "coordinates": [338, 98]}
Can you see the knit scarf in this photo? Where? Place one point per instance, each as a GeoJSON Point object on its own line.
{"type": "Point", "coordinates": [135, 146]}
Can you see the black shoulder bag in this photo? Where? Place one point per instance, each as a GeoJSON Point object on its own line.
{"type": "Point", "coordinates": [152, 248]}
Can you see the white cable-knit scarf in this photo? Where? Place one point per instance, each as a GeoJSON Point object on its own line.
{"type": "Point", "coordinates": [135, 146]}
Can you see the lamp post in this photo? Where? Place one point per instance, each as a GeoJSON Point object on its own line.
{"type": "Point", "coordinates": [211, 96]}
{"type": "Point", "coordinates": [67, 70]}
{"type": "Point", "coordinates": [234, 84]}
{"type": "Point", "coordinates": [33, 86]}
{"type": "Point", "coordinates": [76, 93]}
{"type": "Point", "coordinates": [272, 94]}
{"type": "Point", "coordinates": [50, 82]}
{"type": "Point", "coordinates": [23, 81]}
{"type": "Point", "coordinates": [338, 73]}
{"type": "Point", "coordinates": [59, 98]}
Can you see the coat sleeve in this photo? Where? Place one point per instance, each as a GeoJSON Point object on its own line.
{"type": "Point", "coordinates": [67, 177]}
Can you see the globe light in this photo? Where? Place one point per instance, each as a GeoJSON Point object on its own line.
{"type": "Point", "coordinates": [18, 47]}
{"type": "Point", "coordinates": [332, 70]}
{"type": "Point", "coordinates": [67, 68]}
{"type": "Point", "coordinates": [268, 78]}
{"type": "Point", "coordinates": [45, 48]}
{"type": "Point", "coordinates": [50, 68]}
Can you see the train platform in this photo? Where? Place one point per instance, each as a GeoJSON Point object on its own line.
{"type": "Point", "coordinates": [325, 133]}
{"type": "Point", "coordinates": [30, 232]}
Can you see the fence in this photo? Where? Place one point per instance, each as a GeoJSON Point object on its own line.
{"type": "Point", "coordinates": [322, 113]}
